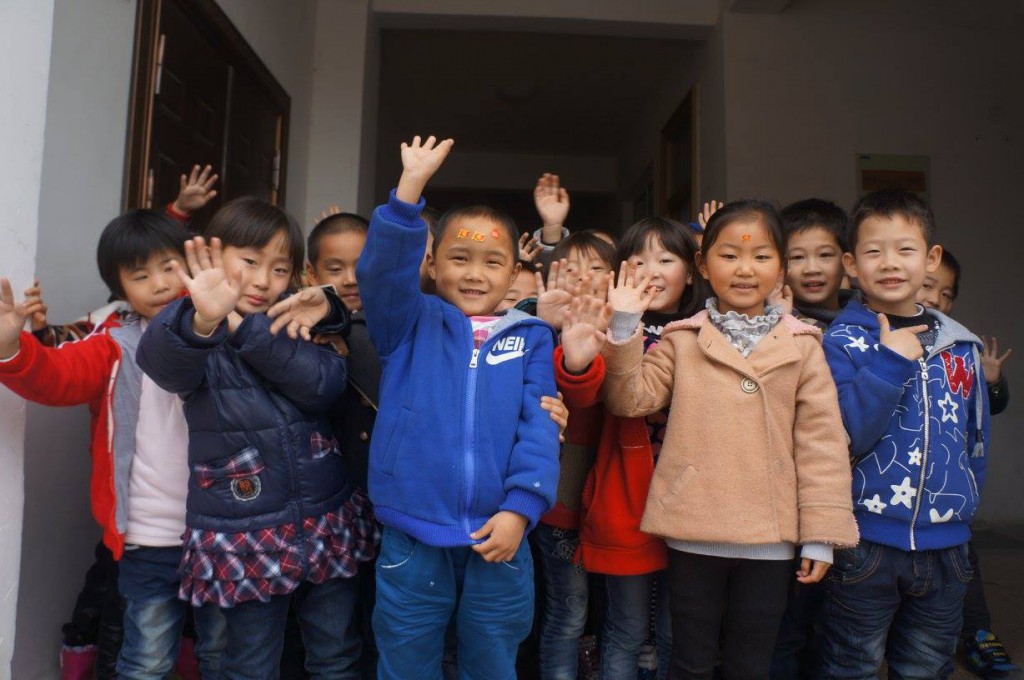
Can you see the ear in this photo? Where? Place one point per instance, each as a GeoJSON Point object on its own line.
{"type": "Point", "coordinates": [309, 275]}
{"type": "Point", "coordinates": [515, 272]}
{"type": "Point", "coordinates": [431, 266]}
{"type": "Point", "coordinates": [698, 259]}
{"type": "Point", "coordinates": [934, 259]}
{"type": "Point", "coordinates": [850, 265]}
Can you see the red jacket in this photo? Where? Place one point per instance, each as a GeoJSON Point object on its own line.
{"type": "Point", "coordinates": [616, 489]}
{"type": "Point", "coordinates": [86, 371]}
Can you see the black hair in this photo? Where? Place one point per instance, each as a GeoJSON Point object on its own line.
{"type": "Point", "coordinates": [129, 240]}
{"type": "Point", "coordinates": [746, 210]}
{"type": "Point", "coordinates": [479, 211]}
{"type": "Point", "coordinates": [889, 202]}
{"type": "Point", "coordinates": [951, 262]}
{"type": "Point", "coordinates": [586, 241]}
{"type": "Point", "coordinates": [249, 222]}
{"type": "Point", "coordinates": [431, 216]}
{"type": "Point", "coordinates": [339, 223]}
{"type": "Point", "coordinates": [677, 239]}
{"type": "Point", "coordinates": [814, 213]}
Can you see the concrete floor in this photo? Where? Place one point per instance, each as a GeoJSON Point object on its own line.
{"type": "Point", "coordinates": [1001, 559]}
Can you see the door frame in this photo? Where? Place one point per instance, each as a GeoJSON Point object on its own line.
{"type": "Point", "coordinates": [136, 189]}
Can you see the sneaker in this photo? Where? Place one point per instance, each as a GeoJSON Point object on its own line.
{"type": "Point", "coordinates": [987, 657]}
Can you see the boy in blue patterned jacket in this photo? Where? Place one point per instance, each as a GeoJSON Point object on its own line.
{"type": "Point", "coordinates": [914, 404]}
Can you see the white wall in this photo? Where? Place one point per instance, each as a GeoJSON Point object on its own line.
{"type": "Point", "coordinates": [26, 27]}
{"type": "Point", "coordinates": [809, 88]}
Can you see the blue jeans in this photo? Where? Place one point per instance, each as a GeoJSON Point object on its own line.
{"type": "Point", "coordinates": [904, 606]}
{"type": "Point", "coordinates": [565, 603]}
{"type": "Point", "coordinates": [153, 617]}
{"type": "Point", "coordinates": [628, 625]}
{"type": "Point", "coordinates": [327, 619]}
{"type": "Point", "coordinates": [418, 588]}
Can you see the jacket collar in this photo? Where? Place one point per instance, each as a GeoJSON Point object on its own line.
{"type": "Point", "coordinates": [950, 331]}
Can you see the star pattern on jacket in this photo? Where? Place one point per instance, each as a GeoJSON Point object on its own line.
{"type": "Point", "coordinates": [902, 494]}
{"type": "Point", "coordinates": [858, 343]}
{"type": "Point", "coordinates": [874, 504]}
{"type": "Point", "coordinates": [949, 408]}
{"type": "Point", "coordinates": [914, 456]}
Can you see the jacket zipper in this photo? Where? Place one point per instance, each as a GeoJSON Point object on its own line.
{"type": "Point", "coordinates": [924, 454]}
{"type": "Point", "coordinates": [468, 464]}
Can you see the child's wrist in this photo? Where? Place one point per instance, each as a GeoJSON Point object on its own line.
{"type": "Point", "coordinates": [10, 350]}
{"type": "Point", "coordinates": [202, 327]}
{"type": "Point", "coordinates": [410, 186]}
{"type": "Point", "coordinates": [575, 365]}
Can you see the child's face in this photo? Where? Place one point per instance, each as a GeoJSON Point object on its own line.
{"type": "Point", "coordinates": [474, 265]}
{"type": "Point", "coordinates": [336, 264]}
{"type": "Point", "coordinates": [153, 285]}
{"type": "Point", "coordinates": [890, 262]}
{"type": "Point", "coordinates": [815, 267]}
{"type": "Point", "coordinates": [523, 286]}
{"type": "Point", "coordinates": [937, 290]}
{"type": "Point", "coordinates": [669, 275]}
{"type": "Point", "coordinates": [583, 262]}
{"type": "Point", "coordinates": [742, 266]}
{"type": "Point", "coordinates": [265, 272]}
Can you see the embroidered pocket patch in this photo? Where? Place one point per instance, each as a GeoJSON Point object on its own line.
{"type": "Point", "coordinates": [246, 488]}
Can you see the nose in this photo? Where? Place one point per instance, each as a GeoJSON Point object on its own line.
{"type": "Point", "coordinates": [163, 280]}
{"type": "Point", "coordinates": [745, 266]}
{"type": "Point", "coordinates": [812, 265]}
{"type": "Point", "coordinates": [261, 278]}
{"type": "Point", "coordinates": [348, 277]}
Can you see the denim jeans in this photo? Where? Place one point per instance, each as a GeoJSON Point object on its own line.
{"type": "Point", "coordinates": [628, 625]}
{"type": "Point", "coordinates": [327, 619]}
{"type": "Point", "coordinates": [418, 588]}
{"type": "Point", "coordinates": [903, 606]}
{"type": "Point", "coordinates": [148, 579]}
{"type": "Point", "coordinates": [565, 603]}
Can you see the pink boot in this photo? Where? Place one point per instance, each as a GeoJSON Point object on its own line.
{"type": "Point", "coordinates": [77, 663]}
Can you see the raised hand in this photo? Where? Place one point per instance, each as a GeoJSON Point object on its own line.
{"type": "Point", "coordinates": [991, 362]}
{"type": "Point", "coordinates": [529, 247]}
{"type": "Point", "coordinates": [551, 200]}
{"type": "Point", "coordinates": [705, 215]}
{"type": "Point", "coordinates": [195, 190]}
{"type": "Point", "coordinates": [332, 210]}
{"type": "Point", "coordinates": [214, 294]}
{"type": "Point", "coordinates": [34, 300]}
{"type": "Point", "coordinates": [628, 293]}
{"type": "Point", "coordinates": [583, 332]}
{"type": "Point", "coordinates": [553, 299]}
{"type": "Point", "coordinates": [300, 312]}
{"type": "Point", "coordinates": [903, 341]}
{"type": "Point", "coordinates": [420, 160]}
{"type": "Point", "coordinates": [13, 316]}
{"type": "Point", "coordinates": [504, 532]}
{"type": "Point", "coordinates": [781, 296]}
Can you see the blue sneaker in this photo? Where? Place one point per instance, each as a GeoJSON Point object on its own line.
{"type": "Point", "coordinates": [987, 657]}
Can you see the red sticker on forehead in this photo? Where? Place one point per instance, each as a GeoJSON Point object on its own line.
{"type": "Point", "coordinates": [746, 237]}
{"type": "Point", "coordinates": [495, 234]}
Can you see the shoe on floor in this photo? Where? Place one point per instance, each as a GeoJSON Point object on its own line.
{"type": "Point", "coordinates": [987, 657]}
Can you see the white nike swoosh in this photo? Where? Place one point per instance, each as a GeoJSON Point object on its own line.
{"type": "Point", "coordinates": [495, 359]}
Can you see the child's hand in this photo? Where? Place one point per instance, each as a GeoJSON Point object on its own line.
{"type": "Point", "coordinates": [34, 299]}
{"type": "Point", "coordinates": [551, 200]}
{"type": "Point", "coordinates": [419, 163]}
{"type": "Point", "coordinates": [335, 341]}
{"type": "Point", "coordinates": [504, 532]}
{"type": "Point", "coordinates": [991, 362]}
{"type": "Point", "coordinates": [553, 300]}
{"type": "Point", "coordinates": [214, 295]}
{"type": "Point", "coordinates": [559, 413]}
{"type": "Point", "coordinates": [709, 210]}
{"type": "Point", "coordinates": [903, 341]}
{"type": "Point", "coordinates": [13, 316]}
{"type": "Point", "coordinates": [331, 210]}
{"type": "Point", "coordinates": [529, 247]}
{"type": "Point", "coordinates": [196, 190]}
{"type": "Point", "coordinates": [781, 296]}
{"type": "Point", "coordinates": [300, 312]}
{"type": "Point", "coordinates": [583, 332]}
{"type": "Point", "coordinates": [811, 571]}
{"type": "Point", "coordinates": [629, 294]}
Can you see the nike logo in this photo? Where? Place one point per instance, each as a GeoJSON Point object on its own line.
{"type": "Point", "coordinates": [495, 359]}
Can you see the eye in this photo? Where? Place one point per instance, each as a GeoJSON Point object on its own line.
{"type": "Point", "coordinates": [926, 286]}
{"type": "Point", "coordinates": [140, 277]}
{"type": "Point", "coordinates": [873, 251]}
{"type": "Point", "coordinates": [763, 258]}
{"type": "Point", "coordinates": [334, 270]}
{"type": "Point", "coordinates": [249, 261]}
{"type": "Point", "coordinates": [908, 249]}
{"type": "Point", "coordinates": [666, 260]}
{"type": "Point", "coordinates": [795, 258]}
{"type": "Point", "coordinates": [458, 258]}
{"type": "Point", "coordinates": [947, 296]}
{"type": "Point", "coordinates": [283, 271]}
{"type": "Point", "coordinates": [727, 256]}
{"type": "Point", "coordinates": [827, 255]}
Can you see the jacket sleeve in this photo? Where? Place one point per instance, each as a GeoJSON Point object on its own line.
{"type": "Point", "coordinates": [583, 390]}
{"type": "Point", "coordinates": [532, 479]}
{"type": "Point", "coordinates": [310, 376]}
{"type": "Point", "coordinates": [998, 395]}
{"type": "Point", "coordinates": [172, 354]}
{"type": "Point", "coordinates": [820, 455]}
{"type": "Point", "coordinates": [76, 373]}
{"type": "Point", "coordinates": [389, 273]}
{"type": "Point", "coordinates": [869, 394]}
{"type": "Point", "coordinates": [636, 384]}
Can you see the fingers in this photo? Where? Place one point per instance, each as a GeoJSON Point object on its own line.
{"type": "Point", "coordinates": [216, 253]}
{"type": "Point", "coordinates": [203, 254]}
{"type": "Point", "coordinates": [190, 256]}
{"type": "Point", "coordinates": [917, 329]}
{"type": "Point", "coordinates": [622, 275]}
{"type": "Point", "coordinates": [485, 530]}
{"type": "Point", "coordinates": [180, 273]}
{"type": "Point", "coordinates": [883, 323]}
{"type": "Point", "coordinates": [560, 278]}
{"type": "Point", "coordinates": [539, 278]}
{"type": "Point", "coordinates": [1006, 355]}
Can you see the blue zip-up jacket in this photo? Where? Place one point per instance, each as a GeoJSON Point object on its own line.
{"type": "Point", "coordinates": [256, 408]}
{"type": "Point", "coordinates": [918, 431]}
{"type": "Point", "coordinates": [460, 434]}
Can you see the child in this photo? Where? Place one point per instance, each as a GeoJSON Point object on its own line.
{"type": "Point", "coordinates": [334, 246]}
{"type": "Point", "coordinates": [986, 655]}
{"type": "Point", "coordinates": [270, 509]}
{"type": "Point", "coordinates": [753, 461]}
{"type": "Point", "coordinates": [610, 540]}
{"type": "Point", "coordinates": [139, 438]}
{"type": "Point", "coordinates": [552, 202]}
{"type": "Point", "coordinates": [815, 232]}
{"type": "Point", "coordinates": [524, 287]}
{"type": "Point", "coordinates": [917, 423]}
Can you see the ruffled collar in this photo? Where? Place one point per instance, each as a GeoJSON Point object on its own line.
{"type": "Point", "coordinates": [742, 331]}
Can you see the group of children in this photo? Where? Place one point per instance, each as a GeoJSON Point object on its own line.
{"type": "Point", "coordinates": [377, 452]}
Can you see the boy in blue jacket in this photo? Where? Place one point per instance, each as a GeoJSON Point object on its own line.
{"type": "Point", "coordinates": [913, 399]}
{"type": "Point", "coordinates": [464, 460]}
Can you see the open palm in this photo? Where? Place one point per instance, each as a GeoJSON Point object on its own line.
{"type": "Point", "coordinates": [583, 332]}
{"type": "Point", "coordinates": [214, 294]}
{"type": "Point", "coordinates": [628, 293]}
{"type": "Point", "coordinates": [423, 159]}
{"type": "Point", "coordinates": [12, 315]}
{"type": "Point", "coordinates": [554, 298]}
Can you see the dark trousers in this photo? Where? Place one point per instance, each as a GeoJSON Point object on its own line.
{"type": "Point", "coordinates": [796, 647]}
{"type": "Point", "coordinates": [976, 616]}
{"type": "Point", "coordinates": [738, 601]}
